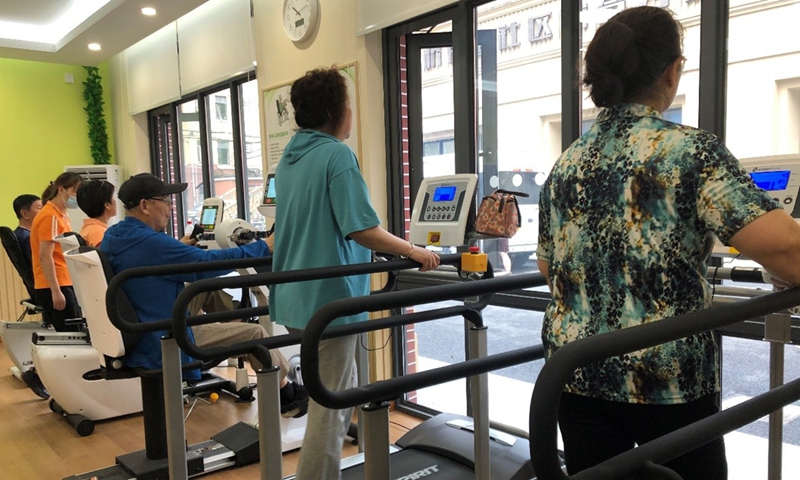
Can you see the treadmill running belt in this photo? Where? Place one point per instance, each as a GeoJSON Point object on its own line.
{"type": "Point", "coordinates": [413, 464]}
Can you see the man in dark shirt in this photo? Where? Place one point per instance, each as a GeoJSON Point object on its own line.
{"type": "Point", "coordinates": [26, 207]}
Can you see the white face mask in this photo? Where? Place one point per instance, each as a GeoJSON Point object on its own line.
{"type": "Point", "coordinates": [72, 201]}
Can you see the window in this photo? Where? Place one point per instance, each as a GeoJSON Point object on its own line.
{"type": "Point", "coordinates": [191, 159]}
{"type": "Point", "coordinates": [513, 117]}
{"type": "Point", "coordinates": [218, 152]}
{"type": "Point", "coordinates": [221, 104]}
{"type": "Point", "coordinates": [254, 173]}
{"type": "Point", "coordinates": [224, 152]}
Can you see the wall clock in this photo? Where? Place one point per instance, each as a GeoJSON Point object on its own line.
{"type": "Point", "coordinates": [300, 18]}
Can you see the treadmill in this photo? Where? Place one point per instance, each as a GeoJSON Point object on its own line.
{"type": "Point", "coordinates": [447, 446]}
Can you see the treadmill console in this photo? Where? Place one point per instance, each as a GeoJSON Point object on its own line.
{"type": "Point", "coordinates": [779, 177]}
{"type": "Point", "coordinates": [441, 209]}
{"type": "Point", "coordinates": [210, 218]}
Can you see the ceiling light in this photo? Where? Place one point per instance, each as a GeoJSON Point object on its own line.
{"type": "Point", "coordinates": [71, 17]}
{"type": "Point", "coordinates": [94, 46]}
{"type": "Point", "coordinates": [149, 11]}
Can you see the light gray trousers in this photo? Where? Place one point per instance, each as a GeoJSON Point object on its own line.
{"type": "Point", "coordinates": [326, 429]}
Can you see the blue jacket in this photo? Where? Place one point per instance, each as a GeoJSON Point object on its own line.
{"type": "Point", "coordinates": [130, 244]}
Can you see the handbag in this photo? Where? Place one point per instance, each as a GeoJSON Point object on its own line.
{"type": "Point", "coordinates": [498, 214]}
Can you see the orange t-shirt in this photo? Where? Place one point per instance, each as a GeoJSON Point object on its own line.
{"type": "Point", "coordinates": [93, 231]}
{"type": "Point", "coordinates": [47, 225]}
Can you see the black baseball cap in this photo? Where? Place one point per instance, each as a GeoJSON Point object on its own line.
{"type": "Point", "coordinates": [143, 186]}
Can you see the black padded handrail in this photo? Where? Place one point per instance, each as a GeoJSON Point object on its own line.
{"type": "Point", "coordinates": [181, 321]}
{"type": "Point", "coordinates": [119, 279]}
{"type": "Point", "coordinates": [392, 388]}
{"type": "Point", "coordinates": [561, 366]}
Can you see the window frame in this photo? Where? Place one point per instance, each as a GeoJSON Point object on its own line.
{"type": "Point", "coordinates": [235, 114]}
{"type": "Point", "coordinates": [712, 91]}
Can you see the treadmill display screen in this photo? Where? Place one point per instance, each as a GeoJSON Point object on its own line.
{"type": "Point", "coordinates": [444, 194]}
{"type": "Point", "coordinates": [771, 181]}
{"type": "Point", "coordinates": [208, 217]}
{"type": "Point", "coordinates": [269, 194]}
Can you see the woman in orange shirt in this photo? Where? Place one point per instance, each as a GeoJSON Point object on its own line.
{"type": "Point", "coordinates": [53, 287]}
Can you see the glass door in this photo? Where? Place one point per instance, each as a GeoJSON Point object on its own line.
{"type": "Point", "coordinates": [163, 165]}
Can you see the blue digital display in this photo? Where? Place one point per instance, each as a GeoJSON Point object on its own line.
{"type": "Point", "coordinates": [444, 194]}
{"type": "Point", "coordinates": [771, 181]}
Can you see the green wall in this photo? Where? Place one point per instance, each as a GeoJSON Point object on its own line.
{"type": "Point", "coordinates": [42, 126]}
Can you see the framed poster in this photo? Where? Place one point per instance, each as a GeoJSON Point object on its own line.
{"type": "Point", "coordinates": [278, 116]}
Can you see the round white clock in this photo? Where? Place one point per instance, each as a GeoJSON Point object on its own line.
{"type": "Point", "coordinates": [300, 18]}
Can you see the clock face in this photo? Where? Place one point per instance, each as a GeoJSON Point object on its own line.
{"type": "Point", "coordinates": [299, 18]}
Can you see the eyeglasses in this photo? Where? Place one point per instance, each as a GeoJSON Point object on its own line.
{"type": "Point", "coordinates": [168, 201]}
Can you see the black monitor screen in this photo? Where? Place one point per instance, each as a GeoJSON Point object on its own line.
{"type": "Point", "coordinates": [208, 217]}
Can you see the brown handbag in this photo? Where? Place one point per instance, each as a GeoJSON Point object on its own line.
{"type": "Point", "coordinates": [498, 214]}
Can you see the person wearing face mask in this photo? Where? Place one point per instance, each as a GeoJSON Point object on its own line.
{"type": "Point", "coordinates": [53, 286]}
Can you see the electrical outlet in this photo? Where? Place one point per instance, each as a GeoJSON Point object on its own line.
{"type": "Point", "coordinates": [69, 78]}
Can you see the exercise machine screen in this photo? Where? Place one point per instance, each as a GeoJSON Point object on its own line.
{"type": "Point", "coordinates": [441, 209]}
{"type": "Point", "coordinates": [208, 217]}
{"type": "Point", "coordinates": [779, 177]}
{"type": "Point", "coordinates": [771, 181]}
{"type": "Point", "coordinates": [269, 192]}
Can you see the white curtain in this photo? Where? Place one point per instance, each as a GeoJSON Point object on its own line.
{"type": "Point", "coordinates": [216, 43]}
{"type": "Point", "coordinates": [377, 14]}
{"type": "Point", "coordinates": [208, 45]}
{"type": "Point", "coordinates": [152, 71]}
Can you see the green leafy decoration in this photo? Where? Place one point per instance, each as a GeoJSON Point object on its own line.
{"type": "Point", "coordinates": [98, 134]}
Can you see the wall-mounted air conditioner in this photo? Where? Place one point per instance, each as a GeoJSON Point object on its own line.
{"type": "Point", "coordinates": [109, 173]}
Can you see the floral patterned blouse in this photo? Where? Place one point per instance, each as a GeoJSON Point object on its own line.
{"type": "Point", "coordinates": [627, 222]}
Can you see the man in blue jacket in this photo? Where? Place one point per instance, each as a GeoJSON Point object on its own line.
{"type": "Point", "coordinates": [139, 241]}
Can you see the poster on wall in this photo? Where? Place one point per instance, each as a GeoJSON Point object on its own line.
{"type": "Point", "coordinates": [279, 124]}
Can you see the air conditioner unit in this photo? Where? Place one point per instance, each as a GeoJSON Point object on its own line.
{"type": "Point", "coordinates": [109, 173]}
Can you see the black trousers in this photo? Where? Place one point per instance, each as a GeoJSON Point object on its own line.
{"type": "Point", "coordinates": [595, 430]}
{"type": "Point", "coordinates": [54, 317]}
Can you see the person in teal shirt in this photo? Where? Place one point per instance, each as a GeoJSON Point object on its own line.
{"type": "Point", "coordinates": [324, 218]}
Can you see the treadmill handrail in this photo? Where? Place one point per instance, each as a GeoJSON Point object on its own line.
{"type": "Point", "coordinates": [389, 389]}
{"type": "Point", "coordinates": [230, 282]}
{"type": "Point", "coordinates": [260, 348]}
{"type": "Point", "coordinates": [560, 367]}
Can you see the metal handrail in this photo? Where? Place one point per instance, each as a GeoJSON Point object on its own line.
{"type": "Point", "coordinates": [389, 389]}
{"type": "Point", "coordinates": [119, 279]}
{"type": "Point", "coordinates": [181, 320]}
{"type": "Point", "coordinates": [561, 366]}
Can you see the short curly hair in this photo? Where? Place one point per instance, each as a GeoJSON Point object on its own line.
{"type": "Point", "coordinates": [319, 98]}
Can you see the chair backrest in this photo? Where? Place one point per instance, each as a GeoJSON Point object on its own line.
{"type": "Point", "coordinates": [90, 272]}
{"type": "Point", "coordinates": [20, 261]}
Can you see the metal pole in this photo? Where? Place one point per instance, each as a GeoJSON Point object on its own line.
{"type": "Point", "coordinates": [777, 331]}
{"type": "Point", "coordinates": [376, 435]}
{"type": "Point", "coordinates": [173, 405]}
{"type": "Point", "coordinates": [775, 450]}
{"type": "Point", "coordinates": [269, 424]}
{"type": "Point", "coordinates": [480, 403]}
{"type": "Point", "coordinates": [362, 375]}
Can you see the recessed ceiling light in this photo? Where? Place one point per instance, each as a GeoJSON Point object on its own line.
{"type": "Point", "coordinates": [149, 11]}
{"type": "Point", "coordinates": [94, 46]}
